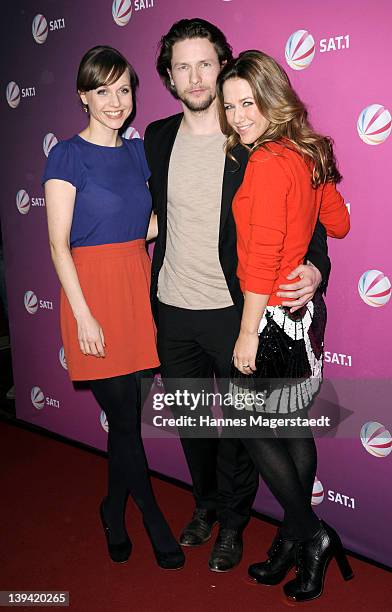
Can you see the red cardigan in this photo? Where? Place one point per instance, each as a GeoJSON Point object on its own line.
{"type": "Point", "coordinates": [275, 211]}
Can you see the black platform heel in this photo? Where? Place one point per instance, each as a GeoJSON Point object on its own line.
{"type": "Point", "coordinates": [340, 556]}
{"type": "Point", "coordinates": [312, 559]}
{"type": "Point", "coordinates": [119, 553]}
{"type": "Point", "coordinates": [170, 560]}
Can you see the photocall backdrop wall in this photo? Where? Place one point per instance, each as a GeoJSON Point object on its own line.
{"type": "Point", "coordinates": [341, 68]}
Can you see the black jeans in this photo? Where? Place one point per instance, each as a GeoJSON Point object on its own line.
{"type": "Point", "coordinates": [196, 344]}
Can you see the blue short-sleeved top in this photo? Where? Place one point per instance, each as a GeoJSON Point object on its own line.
{"type": "Point", "coordinates": [113, 203]}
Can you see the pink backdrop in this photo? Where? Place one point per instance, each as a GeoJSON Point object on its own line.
{"type": "Point", "coordinates": [344, 77]}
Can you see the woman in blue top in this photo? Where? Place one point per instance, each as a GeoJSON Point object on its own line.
{"type": "Point", "coordinates": [99, 208]}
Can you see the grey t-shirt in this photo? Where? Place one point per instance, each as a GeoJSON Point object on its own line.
{"type": "Point", "coordinates": [191, 275]}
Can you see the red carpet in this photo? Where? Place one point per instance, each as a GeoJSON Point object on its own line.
{"type": "Point", "coordinates": [51, 539]}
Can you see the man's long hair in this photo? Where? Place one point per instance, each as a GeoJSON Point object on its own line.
{"type": "Point", "coordinates": [183, 30]}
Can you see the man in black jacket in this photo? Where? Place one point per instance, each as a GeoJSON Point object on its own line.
{"type": "Point", "coordinates": [196, 297]}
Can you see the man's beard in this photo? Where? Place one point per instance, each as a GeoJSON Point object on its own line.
{"type": "Point", "coordinates": [198, 107]}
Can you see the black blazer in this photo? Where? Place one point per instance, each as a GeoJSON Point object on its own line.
{"type": "Point", "coordinates": [158, 141]}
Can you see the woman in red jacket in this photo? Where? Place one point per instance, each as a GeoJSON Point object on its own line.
{"type": "Point", "coordinates": [289, 183]}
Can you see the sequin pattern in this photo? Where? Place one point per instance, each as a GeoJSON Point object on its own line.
{"type": "Point", "coordinates": [289, 359]}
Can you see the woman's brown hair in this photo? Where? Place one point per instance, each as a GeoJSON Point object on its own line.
{"type": "Point", "coordinates": [103, 65]}
{"type": "Point", "coordinates": [286, 113]}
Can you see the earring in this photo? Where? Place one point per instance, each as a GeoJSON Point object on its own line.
{"type": "Point", "coordinates": [85, 108]}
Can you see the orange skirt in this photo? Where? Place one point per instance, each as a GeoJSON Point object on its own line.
{"type": "Point", "coordinates": [115, 280]}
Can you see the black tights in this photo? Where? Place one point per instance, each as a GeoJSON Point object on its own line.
{"type": "Point", "coordinates": [119, 398]}
{"type": "Point", "coordinates": [287, 459]}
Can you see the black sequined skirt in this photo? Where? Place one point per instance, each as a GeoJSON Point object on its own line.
{"type": "Point", "coordinates": [289, 358]}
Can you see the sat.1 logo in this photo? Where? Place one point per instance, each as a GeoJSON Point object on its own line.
{"type": "Point", "coordinates": [37, 398]}
{"type": "Point", "coordinates": [130, 133]}
{"type": "Point", "coordinates": [374, 288]}
{"type": "Point", "coordinates": [62, 358]}
{"type": "Point", "coordinates": [32, 303]}
{"type": "Point", "coordinates": [300, 49]}
{"type": "Point", "coordinates": [13, 94]}
{"type": "Point", "coordinates": [122, 9]}
{"type": "Point", "coordinates": [317, 493]}
{"type": "Point", "coordinates": [40, 27]}
{"type": "Point", "coordinates": [23, 201]}
{"type": "Point", "coordinates": [374, 124]}
{"type": "Point", "coordinates": [376, 439]}
{"type": "Point", "coordinates": [104, 422]}
{"type": "Point", "coordinates": [49, 142]}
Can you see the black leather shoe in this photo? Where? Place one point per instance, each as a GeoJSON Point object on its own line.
{"type": "Point", "coordinates": [227, 550]}
{"type": "Point", "coordinates": [119, 553]}
{"type": "Point", "coordinates": [312, 559]}
{"type": "Point", "coordinates": [281, 558]}
{"type": "Point", "coordinates": [199, 529]}
{"type": "Point", "coordinates": [173, 559]}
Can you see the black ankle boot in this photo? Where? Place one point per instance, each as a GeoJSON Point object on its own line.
{"type": "Point", "coordinates": [312, 559]}
{"type": "Point", "coordinates": [119, 553]}
{"type": "Point", "coordinates": [281, 558]}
